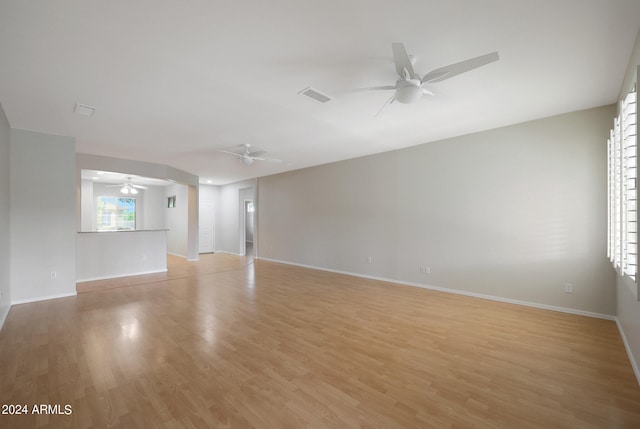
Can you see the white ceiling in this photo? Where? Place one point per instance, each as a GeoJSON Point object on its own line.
{"type": "Point", "coordinates": [173, 81]}
{"type": "Point", "coordinates": [115, 178]}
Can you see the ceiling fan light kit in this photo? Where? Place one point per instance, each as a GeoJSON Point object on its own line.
{"type": "Point", "coordinates": [246, 160]}
{"type": "Point", "coordinates": [408, 94]}
{"type": "Point", "coordinates": [128, 189]}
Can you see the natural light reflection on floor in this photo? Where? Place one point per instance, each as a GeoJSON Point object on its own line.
{"type": "Point", "coordinates": [131, 329]}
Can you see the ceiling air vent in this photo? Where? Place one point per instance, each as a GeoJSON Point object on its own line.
{"type": "Point", "coordinates": [315, 95]}
{"type": "Point", "coordinates": [84, 110]}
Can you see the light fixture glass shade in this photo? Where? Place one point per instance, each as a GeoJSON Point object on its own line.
{"type": "Point", "coordinates": [133, 190]}
{"type": "Point", "coordinates": [247, 160]}
{"type": "Point", "coordinates": [408, 94]}
{"type": "Point", "coordinates": [124, 190]}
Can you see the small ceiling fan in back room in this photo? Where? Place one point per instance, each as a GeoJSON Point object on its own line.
{"type": "Point", "coordinates": [246, 156]}
{"type": "Point", "coordinates": [410, 87]}
{"type": "Point", "coordinates": [127, 187]}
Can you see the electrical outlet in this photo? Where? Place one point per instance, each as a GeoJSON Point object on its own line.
{"type": "Point", "coordinates": [54, 274]}
{"type": "Point", "coordinates": [568, 288]}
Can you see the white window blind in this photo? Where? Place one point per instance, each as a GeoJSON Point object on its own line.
{"type": "Point", "coordinates": [622, 204]}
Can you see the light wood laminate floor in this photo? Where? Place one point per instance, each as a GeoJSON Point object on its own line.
{"type": "Point", "coordinates": [232, 343]}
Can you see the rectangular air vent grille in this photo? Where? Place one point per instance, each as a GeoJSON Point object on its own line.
{"type": "Point", "coordinates": [315, 95]}
{"type": "Point", "coordinates": [84, 110]}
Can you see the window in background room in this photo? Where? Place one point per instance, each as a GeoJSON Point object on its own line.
{"type": "Point", "coordinates": [622, 181]}
{"type": "Point", "coordinates": [116, 213]}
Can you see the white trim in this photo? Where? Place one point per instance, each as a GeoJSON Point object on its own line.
{"type": "Point", "coordinates": [141, 273]}
{"type": "Point", "coordinates": [43, 298]}
{"type": "Point", "coordinates": [230, 253]}
{"type": "Point", "coordinates": [457, 291]}
{"type": "Point", "coordinates": [176, 254]}
{"type": "Point", "coordinates": [3, 315]}
{"type": "Point", "coordinates": [192, 260]}
{"type": "Point", "coordinates": [634, 364]}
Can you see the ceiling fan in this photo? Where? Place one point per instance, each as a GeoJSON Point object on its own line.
{"type": "Point", "coordinates": [410, 87]}
{"type": "Point", "coordinates": [127, 187]}
{"type": "Point", "coordinates": [246, 156]}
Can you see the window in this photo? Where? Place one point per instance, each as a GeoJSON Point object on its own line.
{"type": "Point", "coordinates": [116, 213]}
{"type": "Point", "coordinates": [622, 190]}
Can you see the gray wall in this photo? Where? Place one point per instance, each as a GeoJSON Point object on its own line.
{"type": "Point", "coordinates": [513, 213]}
{"type": "Point", "coordinates": [627, 290]}
{"type": "Point", "coordinates": [5, 215]}
{"type": "Point", "coordinates": [210, 194]}
{"type": "Point", "coordinates": [43, 217]}
{"type": "Point", "coordinates": [177, 220]}
{"type": "Point", "coordinates": [88, 221]}
{"type": "Point", "coordinates": [154, 205]}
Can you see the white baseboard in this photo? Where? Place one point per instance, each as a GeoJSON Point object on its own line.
{"type": "Point", "coordinates": [43, 298]}
{"type": "Point", "coordinates": [177, 254]}
{"type": "Point", "coordinates": [455, 291]}
{"type": "Point", "coordinates": [141, 273]}
{"type": "Point", "coordinates": [227, 253]}
{"type": "Point", "coordinates": [634, 364]}
{"type": "Point", "coordinates": [183, 257]}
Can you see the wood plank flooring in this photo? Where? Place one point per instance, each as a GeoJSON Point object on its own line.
{"type": "Point", "coordinates": [232, 343]}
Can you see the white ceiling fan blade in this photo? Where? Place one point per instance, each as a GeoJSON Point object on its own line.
{"type": "Point", "coordinates": [402, 60]}
{"type": "Point", "coordinates": [262, 158]}
{"type": "Point", "coordinates": [139, 186]}
{"type": "Point", "coordinates": [257, 153]}
{"type": "Point", "coordinates": [455, 69]}
{"type": "Point", "coordinates": [389, 101]}
{"type": "Point", "coordinates": [229, 152]}
{"type": "Point", "coordinates": [425, 91]}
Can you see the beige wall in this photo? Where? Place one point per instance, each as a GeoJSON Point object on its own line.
{"type": "Point", "coordinates": [5, 214]}
{"type": "Point", "coordinates": [514, 213]}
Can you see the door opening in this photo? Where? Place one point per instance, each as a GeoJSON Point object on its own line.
{"type": "Point", "coordinates": [249, 210]}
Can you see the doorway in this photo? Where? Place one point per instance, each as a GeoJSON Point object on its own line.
{"type": "Point", "coordinates": [247, 220]}
{"type": "Point", "coordinates": [249, 211]}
